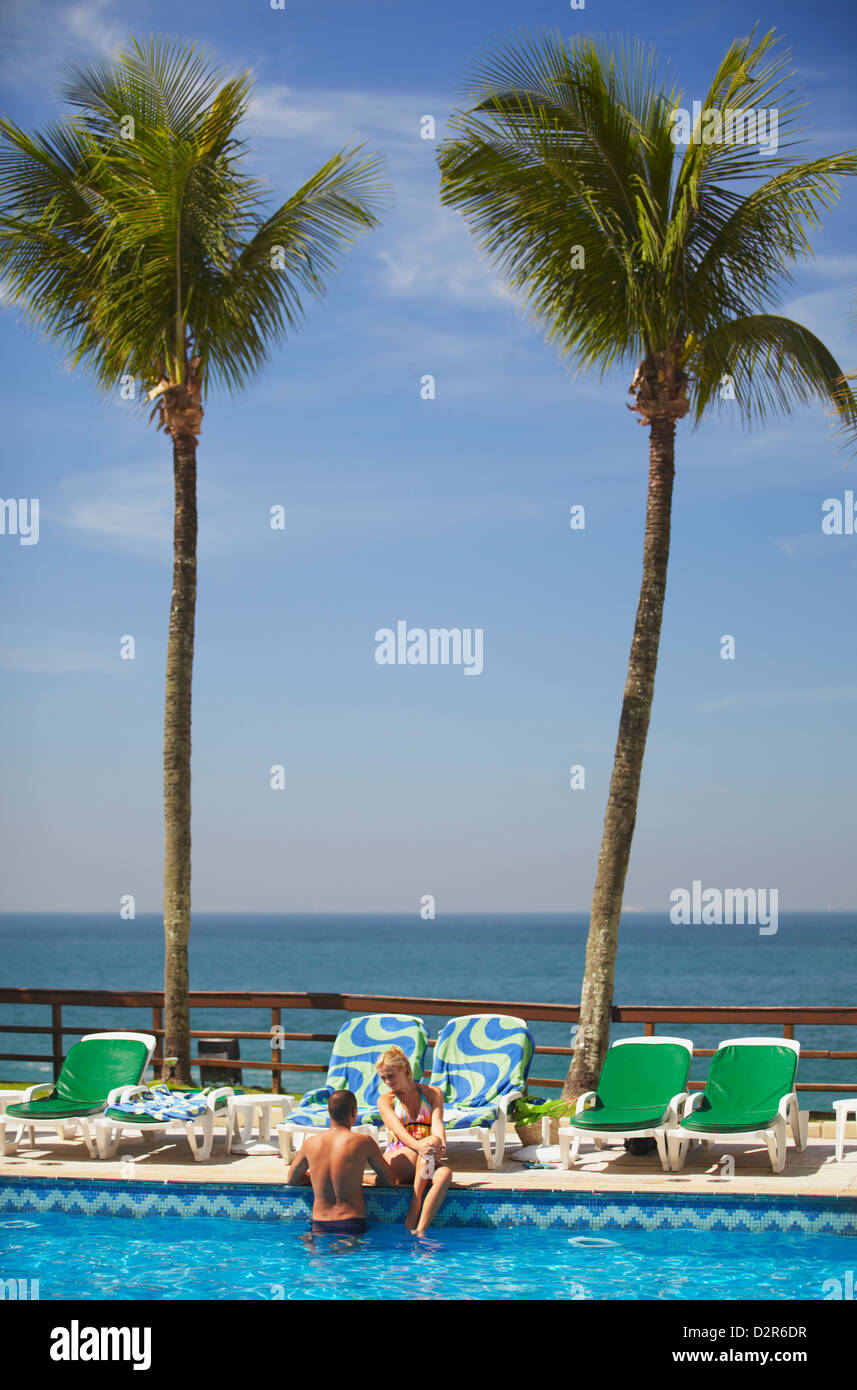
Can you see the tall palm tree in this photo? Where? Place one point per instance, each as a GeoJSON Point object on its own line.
{"type": "Point", "coordinates": [132, 233]}
{"type": "Point", "coordinates": [631, 251]}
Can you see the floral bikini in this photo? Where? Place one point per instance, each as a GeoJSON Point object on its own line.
{"type": "Point", "coordinates": [418, 1128]}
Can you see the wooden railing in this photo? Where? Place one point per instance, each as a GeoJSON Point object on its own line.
{"type": "Point", "coordinates": [787, 1017]}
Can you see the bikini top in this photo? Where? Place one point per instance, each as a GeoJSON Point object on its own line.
{"type": "Point", "coordinates": [420, 1126]}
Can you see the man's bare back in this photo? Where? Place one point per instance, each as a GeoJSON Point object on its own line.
{"type": "Point", "coordinates": [333, 1162]}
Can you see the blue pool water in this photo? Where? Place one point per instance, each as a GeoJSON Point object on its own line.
{"type": "Point", "coordinates": [114, 1257]}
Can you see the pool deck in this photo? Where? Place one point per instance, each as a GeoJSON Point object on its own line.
{"type": "Point", "coordinates": [811, 1173]}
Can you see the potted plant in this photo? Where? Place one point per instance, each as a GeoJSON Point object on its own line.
{"type": "Point", "coordinates": [527, 1114]}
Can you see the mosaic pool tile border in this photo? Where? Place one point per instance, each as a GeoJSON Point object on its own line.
{"type": "Point", "coordinates": [589, 1212]}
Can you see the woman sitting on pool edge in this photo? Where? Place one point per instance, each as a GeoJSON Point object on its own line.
{"type": "Point", "coordinates": [413, 1113]}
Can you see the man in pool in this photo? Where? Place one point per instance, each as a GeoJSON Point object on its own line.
{"type": "Point", "coordinates": [333, 1162]}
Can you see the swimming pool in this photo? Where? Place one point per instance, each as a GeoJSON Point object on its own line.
{"type": "Point", "coordinates": [209, 1241]}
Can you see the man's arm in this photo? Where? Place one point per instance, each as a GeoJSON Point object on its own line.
{"type": "Point", "coordinates": [378, 1164]}
{"type": "Point", "coordinates": [298, 1174]}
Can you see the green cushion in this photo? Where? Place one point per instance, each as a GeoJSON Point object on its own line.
{"type": "Point", "coordinates": [744, 1088]}
{"type": "Point", "coordinates": [610, 1118]}
{"type": "Point", "coordinates": [92, 1069]}
{"type": "Point", "coordinates": [643, 1076]}
{"type": "Point", "coordinates": [95, 1067]}
{"type": "Point", "coordinates": [135, 1121]}
{"type": "Point", "coordinates": [51, 1108]}
{"type": "Point", "coordinates": [726, 1122]}
{"type": "Point", "coordinates": [636, 1085]}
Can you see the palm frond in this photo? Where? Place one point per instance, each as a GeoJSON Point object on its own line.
{"type": "Point", "coordinates": [773, 364]}
{"type": "Point", "coordinates": [572, 146]}
{"type": "Point", "coordinates": [138, 243]}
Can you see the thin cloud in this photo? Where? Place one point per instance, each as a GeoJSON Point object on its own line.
{"type": "Point", "coordinates": [807, 540]}
{"type": "Point", "coordinates": [129, 507]}
{"type": "Point", "coordinates": [826, 314]}
{"type": "Point", "coordinates": [328, 118]}
{"type": "Point", "coordinates": [41, 35]}
{"type": "Point", "coordinates": [433, 257]}
{"type": "Point", "coordinates": [54, 652]}
{"type": "Point", "coordinates": [766, 700]}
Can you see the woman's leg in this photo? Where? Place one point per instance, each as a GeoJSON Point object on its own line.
{"type": "Point", "coordinates": [434, 1198]}
{"type": "Point", "coordinates": [401, 1168]}
{"type": "Point", "coordinates": [403, 1172]}
{"type": "Point", "coordinates": [420, 1185]}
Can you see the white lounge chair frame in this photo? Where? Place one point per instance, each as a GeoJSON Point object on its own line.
{"type": "Point", "coordinates": [67, 1126]}
{"type": "Point", "coordinates": [570, 1137]}
{"type": "Point", "coordinates": [498, 1129]}
{"type": "Point", "coordinates": [109, 1131]}
{"type": "Point", "coordinates": [775, 1137]}
{"type": "Point", "coordinates": [286, 1130]}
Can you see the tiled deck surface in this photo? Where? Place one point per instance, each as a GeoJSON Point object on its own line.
{"type": "Point", "coordinates": [811, 1173]}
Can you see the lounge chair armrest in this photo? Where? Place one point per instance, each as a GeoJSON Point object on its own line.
{"type": "Point", "coordinates": [785, 1105]}
{"type": "Point", "coordinates": [123, 1093]}
{"type": "Point", "coordinates": [37, 1092]}
{"type": "Point", "coordinates": [503, 1102]}
{"type": "Point", "coordinates": [581, 1101]}
{"type": "Point", "coordinates": [675, 1105]}
{"type": "Point", "coordinates": [691, 1103]}
{"type": "Point", "coordinates": [217, 1093]}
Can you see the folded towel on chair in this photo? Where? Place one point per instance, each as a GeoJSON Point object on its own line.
{"type": "Point", "coordinates": [160, 1103]}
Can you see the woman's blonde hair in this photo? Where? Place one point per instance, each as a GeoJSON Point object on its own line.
{"type": "Point", "coordinates": [394, 1057]}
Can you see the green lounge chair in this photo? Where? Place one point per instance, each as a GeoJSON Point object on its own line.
{"type": "Point", "coordinates": [750, 1094]}
{"type": "Point", "coordinates": [97, 1071]}
{"type": "Point", "coordinates": [642, 1084]}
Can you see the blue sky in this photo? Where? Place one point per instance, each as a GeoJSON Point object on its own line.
{"type": "Point", "coordinates": [404, 781]}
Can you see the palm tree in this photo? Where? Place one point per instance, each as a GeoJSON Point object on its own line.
{"type": "Point", "coordinates": [630, 251]}
{"type": "Point", "coordinates": [132, 233]}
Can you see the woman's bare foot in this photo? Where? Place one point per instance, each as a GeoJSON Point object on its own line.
{"type": "Point", "coordinates": [413, 1215]}
{"type": "Point", "coordinates": [434, 1198]}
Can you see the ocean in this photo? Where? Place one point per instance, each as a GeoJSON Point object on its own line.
{"type": "Point", "coordinates": [812, 959]}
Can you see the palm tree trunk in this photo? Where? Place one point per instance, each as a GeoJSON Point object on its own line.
{"type": "Point", "coordinates": [596, 999]}
{"type": "Point", "coordinates": [177, 719]}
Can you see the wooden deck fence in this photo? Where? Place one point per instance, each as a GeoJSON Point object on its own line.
{"type": "Point", "coordinates": [280, 1003]}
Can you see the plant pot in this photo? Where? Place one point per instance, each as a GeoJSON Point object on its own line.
{"type": "Point", "coordinates": [532, 1134]}
{"type": "Point", "coordinates": [529, 1135]}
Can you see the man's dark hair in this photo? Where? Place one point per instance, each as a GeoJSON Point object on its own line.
{"type": "Point", "coordinates": [341, 1106]}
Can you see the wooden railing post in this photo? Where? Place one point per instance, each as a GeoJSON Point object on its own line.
{"type": "Point", "coordinates": [56, 1039]}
